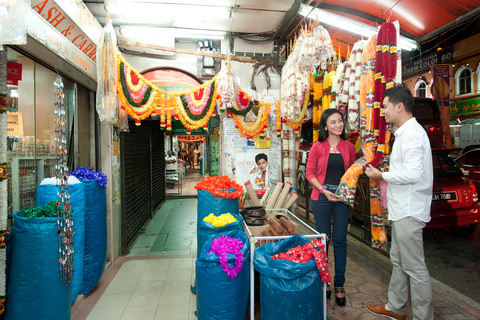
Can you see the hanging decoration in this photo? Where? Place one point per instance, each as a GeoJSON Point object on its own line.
{"type": "Point", "coordinates": [317, 102]}
{"type": "Point", "coordinates": [227, 86]}
{"type": "Point", "coordinates": [64, 211]}
{"type": "Point", "coordinates": [3, 177]}
{"type": "Point", "coordinates": [295, 124]}
{"type": "Point", "coordinates": [385, 70]}
{"type": "Point", "coordinates": [260, 124]}
{"type": "Point", "coordinates": [107, 107]}
{"type": "Point", "coordinates": [327, 91]}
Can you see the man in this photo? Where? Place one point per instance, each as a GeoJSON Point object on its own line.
{"type": "Point", "coordinates": [261, 171]}
{"type": "Point", "coordinates": [171, 166]}
{"type": "Point", "coordinates": [409, 194]}
{"type": "Point", "coordinates": [191, 156]}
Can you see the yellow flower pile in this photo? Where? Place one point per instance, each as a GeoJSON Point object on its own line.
{"type": "Point", "coordinates": [220, 221]}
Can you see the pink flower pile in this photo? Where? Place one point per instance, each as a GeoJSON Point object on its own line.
{"type": "Point", "coordinates": [224, 246]}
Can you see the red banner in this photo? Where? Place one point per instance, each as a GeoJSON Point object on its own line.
{"type": "Point", "coordinates": [14, 73]}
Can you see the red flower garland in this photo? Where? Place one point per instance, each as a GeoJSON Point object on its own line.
{"type": "Point", "coordinates": [218, 187]}
{"type": "Point", "coordinates": [313, 249]}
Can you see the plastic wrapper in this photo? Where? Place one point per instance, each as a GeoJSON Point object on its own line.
{"type": "Point", "coordinates": [107, 75]}
{"type": "Point", "coordinates": [13, 21]}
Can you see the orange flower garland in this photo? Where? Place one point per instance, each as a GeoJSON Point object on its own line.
{"type": "Point", "coordinates": [219, 187]}
{"type": "Point", "coordinates": [260, 123]}
{"type": "Point", "coordinates": [279, 119]}
{"type": "Point", "coordinates": [296, 124]}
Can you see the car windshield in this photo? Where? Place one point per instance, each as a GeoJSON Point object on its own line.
{"type": "Point", "coordinates": [444, 166]}
{"type": "Point", "coordinates": [472, 158]}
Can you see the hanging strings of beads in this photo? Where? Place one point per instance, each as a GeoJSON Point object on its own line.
{"type": "Point", "coordinates": [64, 212]}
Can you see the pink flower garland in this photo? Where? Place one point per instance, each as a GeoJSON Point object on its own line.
{"type": "Point", "coordinates": [224, 246]}
{"type": "Point", "coordinates": [313, 249]}
{"type": "Point", "coordinates": [242, 101]}
{"type": "Point", "coordinates": [191, 105]}
{"type": "Point", "coordinates": [141, 93]}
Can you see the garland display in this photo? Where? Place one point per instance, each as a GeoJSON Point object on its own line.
{"type": "Point", "coordinates": [260, 124]}
{"type": "Point", "coordinates": [219, 187]}
{"type": "Point", "coordinates": [3, 177]}
{"type": "Point", "coordinates": [317, 102]}
{"type": "Point", "coordinates": [310, 250]}
{"type": "Point", "coordinates": [297, 123]}
{"type": "Point", "coordinates": [224, 246]}
{"type": "Point", "coordinates": [64, 211]}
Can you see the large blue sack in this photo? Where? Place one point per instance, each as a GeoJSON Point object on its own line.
{"type": "Point", "coordinates": [288, 290]}
{"type": "Point", "coordinates": [47, 193]}
{"type": "Point", "coordinates": [206, 229]}
{"type": "Point", "coordinates": [208, 203]}
{"type": "Point", "coordinates": [34, 287]}
{"type": "Point", "coordinates": [218, 296]}
{"type": "Point", "coordinates": [95, 235]}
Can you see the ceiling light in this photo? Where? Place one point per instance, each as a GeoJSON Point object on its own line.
{"type": "Point", "coordinates": [351, 25]}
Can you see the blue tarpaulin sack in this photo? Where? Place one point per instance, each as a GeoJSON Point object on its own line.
{"type": "Point", "coordinates": [220, 297]}
{"type": "Point", "coordinates": [34, 287]}
{"type": "Point", "coordinates": [208, 203]}
{"type": "Point", "coordinates": [288, 290]}
{"type": "Point", "coordinates": [47, 193]}
{"type": "Point", "coordinates": [206, 229]}
{"type": "Point", "coordinates": [95, 234]}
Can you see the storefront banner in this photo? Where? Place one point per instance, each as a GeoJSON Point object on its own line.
{"type": "Point", "coordinates": [14, 73]}
{"type": "Point", "coordinates": [74, 21]}
{"type": "Point", "coordinates": [466, 107]}
{"type": "Point", "coordinates": [46, 34]}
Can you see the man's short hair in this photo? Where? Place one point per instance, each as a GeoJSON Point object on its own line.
{"type": "Point", "coordinates": [261, 156]}
{"type": "Point", "coordinates": [400, 94]}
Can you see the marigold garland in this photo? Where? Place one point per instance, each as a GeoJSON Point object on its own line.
{"type": "Point", "coordinates": [260, 123]}
{"type": "Point", "coordinates": [279, 119]}
{"type": "Point", "coordinates": [296, 123]}
{"type": "Point", "coordinates": [219, 187]}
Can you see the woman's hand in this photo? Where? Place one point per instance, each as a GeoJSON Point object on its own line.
{"type": "Point", "coordinates": [332, 197]}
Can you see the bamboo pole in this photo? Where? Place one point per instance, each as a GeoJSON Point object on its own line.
{"type": "Point", "coordinates": [185, 51]}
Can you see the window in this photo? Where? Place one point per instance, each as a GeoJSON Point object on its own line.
{"type": "Point", "coordinates": [421, 89]}
{"type": "Point", "coordinates": [463, 81]}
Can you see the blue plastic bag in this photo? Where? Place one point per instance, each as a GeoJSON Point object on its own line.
{"type": "Point", "coordinates": [288, 290]}
{"type": "Point", "coordinates": [47, 193]}
{"type": "Point", "coordinates": [208, 203]}
{"type": "Point", "coordinates": [206, 229]}
{"type": "Point", "coordinates": [34, 287]}
{"type": "Point", "coordinates": [220, 297]}
{"type": "Point", "coordinates": [95, 235]}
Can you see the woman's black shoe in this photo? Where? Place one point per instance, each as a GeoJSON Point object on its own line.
{"type": "Point", "coordinates": [340, 301]}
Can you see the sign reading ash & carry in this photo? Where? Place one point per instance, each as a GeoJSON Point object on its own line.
{"type": "Point", "coordinates": [426, 62]}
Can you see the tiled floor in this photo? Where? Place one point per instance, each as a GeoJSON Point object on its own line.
{"type": "Point", "coordinates": [154, 280]}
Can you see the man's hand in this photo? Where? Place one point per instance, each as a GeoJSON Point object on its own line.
{"type": "Point", "coordinates": [373, 173]}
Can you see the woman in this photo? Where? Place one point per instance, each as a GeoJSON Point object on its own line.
{"type": "Point", "coordinates": [328, 160]}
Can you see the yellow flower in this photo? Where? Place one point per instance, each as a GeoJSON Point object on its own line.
{"type": "Point", "coordinates": [220, 221]}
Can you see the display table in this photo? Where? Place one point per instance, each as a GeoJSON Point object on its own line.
{"type": "Point", "coordinates": [256, 240]}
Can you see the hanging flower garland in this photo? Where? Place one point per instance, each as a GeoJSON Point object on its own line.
{"type": "Point", "coordinates": [385, 70]}
{"type": "Point", "coordinates": [219, 187]}
{"type": "Point", "coordinates": [225, 245]}
{"type": "Point", "coordinates": [259, 125]}
{"type": "Point", "coordinates": [313, 249]}
{"type": "Point", "coordinates": [317, 101]}
{"type": "Point", "coordinates": [242, 104]}
{"type": "Point", "coordinates": [327, 92]}
{"type": "Point", "coordinates": [279, 119]}
{"type": "Point", "coordinates": [297, 123]}
{"type": "Point", "coordinates": [3, 176]}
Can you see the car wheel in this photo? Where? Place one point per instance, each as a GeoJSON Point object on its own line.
{"type": "Point", "coordinates": [464, 231]}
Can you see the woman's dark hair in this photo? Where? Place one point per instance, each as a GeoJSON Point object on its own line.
{"type": "Point", "coordinates": [322, 133]}
{"type": "Point", "coordinates": [400, 94]}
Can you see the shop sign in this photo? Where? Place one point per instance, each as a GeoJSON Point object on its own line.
{"type": "Point", "coordinates": [55, 41]}
{"type": "Point", "coordinates": [426, 62]}
{"type": "Point", "coordinates": [178, 128]}
{"type": "Point", "coordinates": [190, 138]}
{"type": "Point", "coordinates": [74, 21]}
{"type": "Point", "coordinates": [465, 107]}
{"type": "Point", "coordinates": [14, 73]}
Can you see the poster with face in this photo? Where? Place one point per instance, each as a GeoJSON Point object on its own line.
{"type": "Point", "coordinates": [253, 166]}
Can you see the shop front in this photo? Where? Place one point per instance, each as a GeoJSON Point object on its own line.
{"type": "Point", "coordinates": [465, 122]}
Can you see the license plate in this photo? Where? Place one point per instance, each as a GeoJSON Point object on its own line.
{"type": "Point", "coordinates": [444, 196]}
